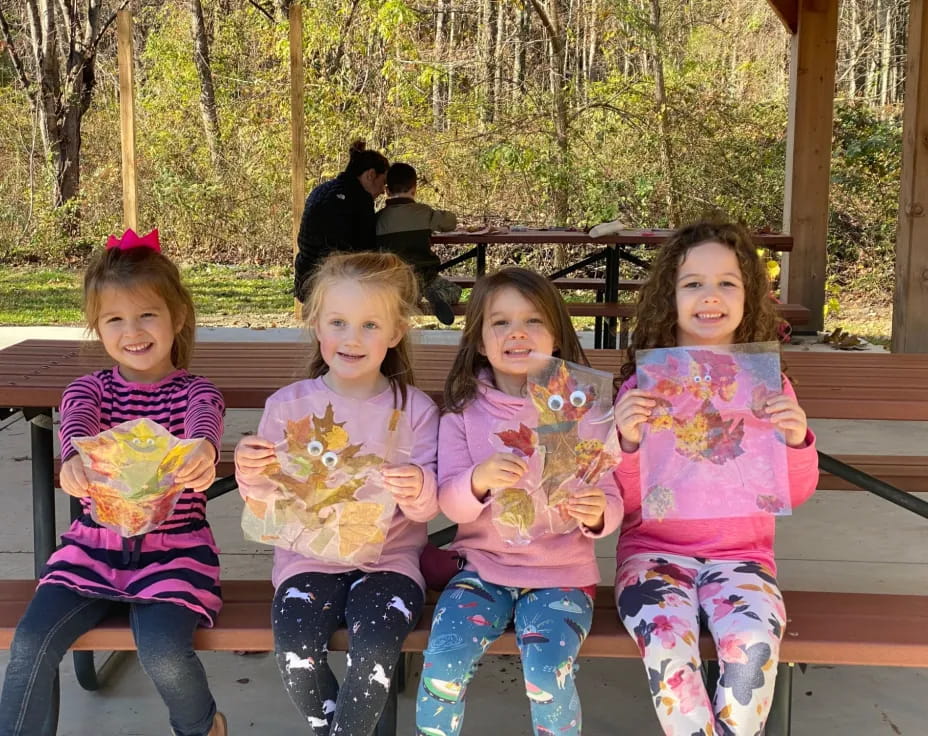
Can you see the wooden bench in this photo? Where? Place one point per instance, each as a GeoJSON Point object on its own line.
{"type": "Point", "coordinates": [823, 628]}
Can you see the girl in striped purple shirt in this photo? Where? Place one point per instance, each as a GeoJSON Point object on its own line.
{"type": "Point", "coordinates": [136, 304]}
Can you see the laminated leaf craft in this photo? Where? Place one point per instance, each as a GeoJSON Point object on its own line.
{"type": "Point", "coordinates": [566, 435]}
{"type": "Point", "coordinates": [131, 469]}
{"type": "Point", "coordinates": [709, 448]}
{"type": "Point", "coordinates": [330, 501]}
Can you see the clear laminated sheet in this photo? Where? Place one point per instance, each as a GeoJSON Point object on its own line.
{"type": "Point", "coordinates": [567, 437]}
{"type": "Point", "coordinates": [330, 501]}
{"type": "Point", "coordinates": [709, 450]}
{"type": "Point", "coordinates": [131, 469]}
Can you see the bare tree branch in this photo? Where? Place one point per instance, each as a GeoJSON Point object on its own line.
{"type": "Point", "coordinates": [261, 9]}
{"type": "Point", "coordinates": [14, 57]}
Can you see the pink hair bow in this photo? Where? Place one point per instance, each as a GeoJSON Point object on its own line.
{"type": "Point", "coordinates": [130, 240]}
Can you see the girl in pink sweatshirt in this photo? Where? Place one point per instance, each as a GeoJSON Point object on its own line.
{"type": "Point", "coordinates": [358, 310]}
{"type": "Point", "coordinates": [546, 586]}
{"type": "Point", "coordinates": [707, 287]}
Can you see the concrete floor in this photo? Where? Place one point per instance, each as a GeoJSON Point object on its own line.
{"type": "Point", "coordinates": [842, 541]}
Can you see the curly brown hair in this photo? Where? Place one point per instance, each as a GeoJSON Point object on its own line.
{"type": "Point", "coordinates": [388, 276]}
{"type": "Point", "coordinates": [656, 315]}
{"type": "Point", "coordinates": [461, 384]}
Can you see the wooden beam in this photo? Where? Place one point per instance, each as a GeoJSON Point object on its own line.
{"type": "Point", "coordinates": [910, 301]}
{"type": "Point", "coordinates": [808, 153]}
{"type": "Point", "coordinates": [788, 13]}
{"type": "Point", "coordinates": [130, 215]}
{"type": "Point", "coordinates": [297, 147]}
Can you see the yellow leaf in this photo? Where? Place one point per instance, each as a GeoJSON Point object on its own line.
{"type": "Point", "coordinates": [749, 586]}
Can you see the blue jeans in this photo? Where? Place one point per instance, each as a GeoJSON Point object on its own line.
{"type": "Point", "coordinates": [57, 616]}
{"type": "Point", "coordinates": [550, 624]}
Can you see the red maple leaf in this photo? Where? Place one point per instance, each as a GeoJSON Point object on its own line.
{"type": "Point", "coordinates": [522, 440]}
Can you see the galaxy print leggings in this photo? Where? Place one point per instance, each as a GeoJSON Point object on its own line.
{"type": "Point", "coordinates": [550, 623]}
{"type": "Point", "coordinates": [662, 599]}
{"type": "Point", "coordinates": [378, 609]}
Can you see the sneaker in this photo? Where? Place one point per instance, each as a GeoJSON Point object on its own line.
{"type": "Point", "coordinates": [442, 311]}
{"type": "Point", "coordinates": [220, 727]}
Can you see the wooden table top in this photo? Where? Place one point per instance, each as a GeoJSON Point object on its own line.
{"type": "Point", "coordinates": [771, 241]}
{"type": "Point", "coordinates": [836, 385]}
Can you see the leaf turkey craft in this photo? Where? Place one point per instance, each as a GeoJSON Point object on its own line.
{"type": "Point", "coordinates": [330, 501]}
{"type": "Point", "coordinates": [566, 435]}
{"type": "Point", "coordinates": [131, 469]}
{"type": "Point", "coordinates": [709, 449]}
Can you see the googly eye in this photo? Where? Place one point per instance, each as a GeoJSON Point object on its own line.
{"type": "Point", "coordinates": [315, 448]}
{"type": "Point", "coordinates": [555, 402]}
{"type": "Point", "coordinates": [707, 377]}
{"type": "Point", "coordinates": [330, 459]}
{"type": "Point", "coordinates": [577, 399]}
{"type": "Point", "coordinates": [697, 379]}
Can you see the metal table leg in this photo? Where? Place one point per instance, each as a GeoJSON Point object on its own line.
{"type": "Point", "coordinates": [611, 295]}
{"type": "Point", "coordinates": [43, 519]}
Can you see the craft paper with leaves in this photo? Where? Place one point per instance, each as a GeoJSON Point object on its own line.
{"type": "Point", "coordinates": [709, 450]}
{"type": "Point", "coordinates": [131, 469]}
{"type": "Point", "coordinates": [331, 502]}
{"type": "Point", "coordinates": [567, 436]}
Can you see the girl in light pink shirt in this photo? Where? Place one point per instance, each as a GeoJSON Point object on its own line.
{"type": "Point", "coordinates": [707, 287]}
{"type": "Point", "coordinates": [358, 311]}
{"type": "Point", "coordinates": [544, 587]}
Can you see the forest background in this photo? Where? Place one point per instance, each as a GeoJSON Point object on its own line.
{"type": "Point", "coordinates": [533, 112]}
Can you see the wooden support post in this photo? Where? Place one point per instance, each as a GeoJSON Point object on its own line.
{"type": "Point", "coordinates": [297, 147]}
{"type": "Point", "coordinates": [127, 118]}
{"type": "Point", "coordinates": [910, 302]}
{"type": "Point", "coordinates": [808, 154]}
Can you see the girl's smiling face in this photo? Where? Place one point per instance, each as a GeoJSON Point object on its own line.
{"type": "Point", "coordinates": [709, 295]}
{"type": "Point", "coordinates": [137, 331]}
{"type": "Point", "coordinates": [355, 328]}
{"type": "Point", "coordinates": [513, 327]}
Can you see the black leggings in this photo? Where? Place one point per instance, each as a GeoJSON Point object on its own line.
{"type": "Point", "coordinates": [379, 609]}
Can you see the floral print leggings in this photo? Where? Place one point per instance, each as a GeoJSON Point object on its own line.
{"type": "Point", "coordinates": [662, 599]}
{"type": "Point", "coordinates": [550, 623]}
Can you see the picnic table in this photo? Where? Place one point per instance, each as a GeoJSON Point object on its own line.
{"type": "Point", "coordinates": [615, 247]}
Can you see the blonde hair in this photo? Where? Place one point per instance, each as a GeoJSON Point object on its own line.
{"type": "Point", "coordinates": [461, 384]}
{"type": "Point", "coordinates": [137, 269]}
{"type": "Point", "coordinates": [390, 277]}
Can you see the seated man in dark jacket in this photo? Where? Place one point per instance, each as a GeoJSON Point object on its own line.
{"type": "Point", "coordinates": [339, 213]}
{"type": "Point", "coordinates": [405, 226]}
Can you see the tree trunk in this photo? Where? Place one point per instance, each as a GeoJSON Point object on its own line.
{"type": "Point", "coordinates": [663, 123]}
{"type": "Point", "coordinates": [498, 57]}
{"type": "Point", "coordinates": [438, 111]}
{"type": "Point", "coordinates": [205, 75]}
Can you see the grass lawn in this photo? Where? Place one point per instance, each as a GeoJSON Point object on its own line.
{"type": "Point", "coordinates": [243, 296]}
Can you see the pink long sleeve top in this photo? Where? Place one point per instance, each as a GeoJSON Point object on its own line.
{"type": "Point", "coordinates": [549, 561]}
{"type": "Point", "coordinates": [407, 534]}
{"type": "Point", "coordinates": [745, 538]}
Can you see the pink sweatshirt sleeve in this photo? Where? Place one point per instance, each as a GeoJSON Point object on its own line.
{"type": "Point", "coordinates": [802, 462]}
{"type": "Point", "coordinates": [424, 420]}
{"type": "Point", "coordinates": [455, 496]}
{"type": "Point", "coordinates": [259, 487]}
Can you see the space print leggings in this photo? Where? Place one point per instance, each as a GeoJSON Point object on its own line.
{"type": "Point", "coordinates": [550, 623]}
{"type": "Point", "coordinates": [662, 599]}
{"type": "Point", "coordinates": [378, 609]}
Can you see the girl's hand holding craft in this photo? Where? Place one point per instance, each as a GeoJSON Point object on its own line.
{"type": "Point", "coordinates": [588, 507]}
{"type": "Point", "coordinates": [500, 470]}
{"type": "Point", "coordinates": [789, 418]}
{"type": "Point", "coordinates": [199, 469]}
{"type": "Point", "coordinates": [73, 479]}
{"type": "Point", "coordinates": [253, 454]}
{"type": "Point", "coordinates": [631, 411]}
{"type": "Point", "coordinates": [404, 482]}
